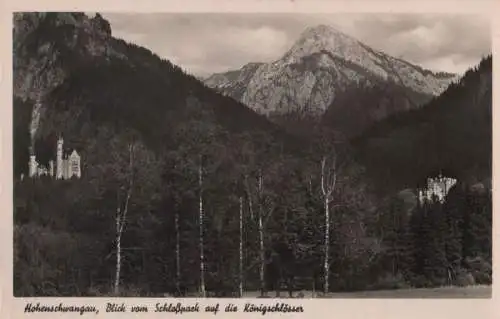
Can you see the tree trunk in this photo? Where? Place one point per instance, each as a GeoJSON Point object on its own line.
{"type": "Point", "coordinates": [249, 197]}
{"type": "Point", "coordinates": [314, 288]}
{"type": "Point", "coordinates": [177, 254]}
{"type": "Point", "coordinates": [262, 258]}
{"type": "Point", "coordinates": [118, 260]}
{"type": "Point", "coordinates": [202, 262]}
{"type": "Point", "coordinates": [241, 248]}
{"type": "Point", "coordinates": [327, 245]}
{"type": "Point", "coordinates": [328, 182]}
{"type": "Point", "coordinates": [261, 241]}
{"type": "Point", "coordinates": [121, 219]}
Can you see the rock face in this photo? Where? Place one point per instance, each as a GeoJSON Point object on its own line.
{"type": "Point", "coordinates": [321, 63]}
{"type": "Point", "coordinates": [42, 60]}
{"type": "Point", "coordinates": [234, 82]}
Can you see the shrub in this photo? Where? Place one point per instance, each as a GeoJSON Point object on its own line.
{"type": "Point", "coordinates": [464, 278]}
{"type": "Point", "coordinates": [390, 281]}
{"type": "Point", "coordinates": [480, 269]}
{"type": "Point", "coordinates": [420, 281]}
{"type": "Point", "coordinates": [52, 263]}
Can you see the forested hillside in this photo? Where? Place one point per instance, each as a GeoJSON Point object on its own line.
{"type": "Point", "coordinates": [452, 134]}
{"type": "Point", "coordinates": [360, 105]}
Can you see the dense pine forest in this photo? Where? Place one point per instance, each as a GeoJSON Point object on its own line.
{"type": "Point", "coordinates": [186, 192]}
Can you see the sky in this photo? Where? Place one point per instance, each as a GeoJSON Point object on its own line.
{"type": "Point", "coordinates": [207, 43]}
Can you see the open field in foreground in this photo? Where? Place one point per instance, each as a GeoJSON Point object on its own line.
{"type": "Point", "coordinates": [441, 292]}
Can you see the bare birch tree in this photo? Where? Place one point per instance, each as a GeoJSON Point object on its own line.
{"type": "Point", "coordinates": [121, 218]}
{"type": "Point", "coordinates": [249, 195]}
{"type": "Point", "coordinates": [261, 238]}
{"type": "Point", "coordinates": [328, 183]}
{"type": "Point", "coordinates": [241, 249]}
{"type": "Point", "coordinates": [177, 253]}
{"type": "Point", "coordinates": [202, 256]}
{"type": "Point", "coordinates": [265, 210]}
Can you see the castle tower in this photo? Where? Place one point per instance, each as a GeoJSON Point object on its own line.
{"type": "Point", "coordinates": [51, 168]}
{"type": "Point", "coordinates": [59, 159]}
{"type": "Point", "coordinates": [32, 164]}
{"type": "Point", "coordinates": [74, 165]}
{"type": "Point", "coordinates": [421, 197]}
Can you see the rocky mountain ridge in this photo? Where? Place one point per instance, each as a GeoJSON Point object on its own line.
{"type": "Point", "coordinates": [40, 59]}
{"type": "Point", "coordinates": [321, 63]}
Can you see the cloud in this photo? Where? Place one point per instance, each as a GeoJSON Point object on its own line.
{"type": "Point", "coordinates": [227, 48]}
{"type": "Point", "coordinates": [456, 41]}
{"type": "Point", "coordinates": [216, 42]}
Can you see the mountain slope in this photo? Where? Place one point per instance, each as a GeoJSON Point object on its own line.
{"type": "Point", "coordinates": [452, 134]}
{"type": "Point", "coordinates": [234, 82]}
{"type": "Point", "coordinates": [321, 63]}
{"type": "Point", "coordinates": [358, 106]}
{"type": "Point", "coordinates": [72, 77]}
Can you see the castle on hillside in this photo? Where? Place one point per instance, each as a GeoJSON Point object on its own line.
{"type": "Point", "coordinates": [66, 166]}
{"type": "Point", "coordinates": [436, 188]}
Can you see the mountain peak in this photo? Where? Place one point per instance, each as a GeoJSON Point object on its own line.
{"type": "Point", "coordinates": [25, 23]}
{"type": "Point", "coordinates": [41, 38]}
{"type": "Point", "coordinates": [322, 30]}
{"type": "Point", "coordinates": [323, 38]}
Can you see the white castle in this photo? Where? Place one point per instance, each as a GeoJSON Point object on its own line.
{"type": "Point", "coordinates": [66, 166]}
{"type": "Point", "coordinates": [438, 187]}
